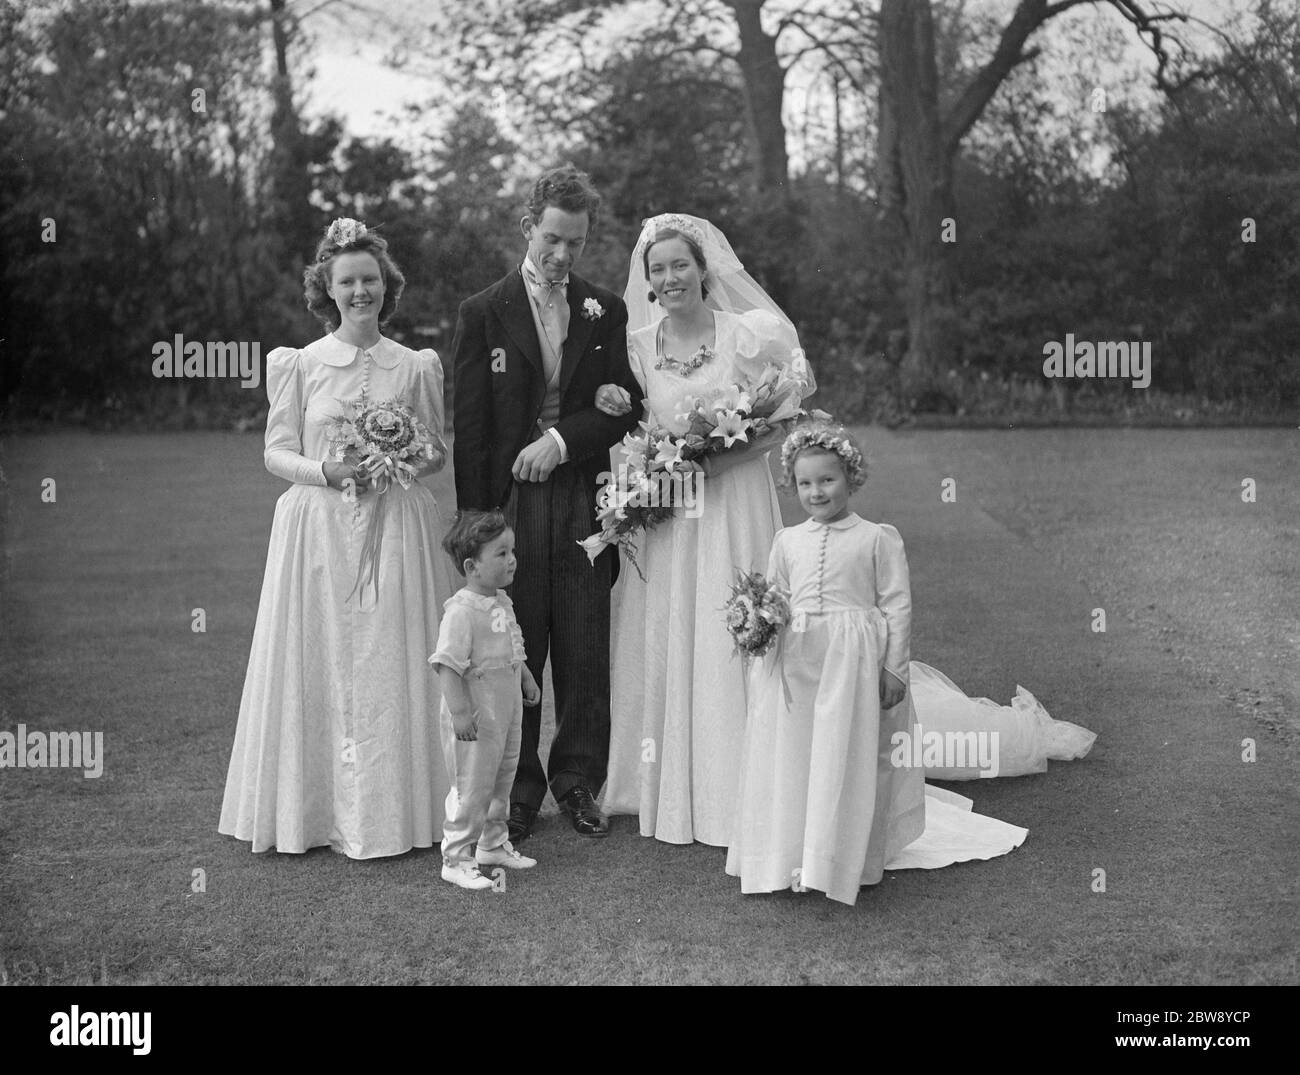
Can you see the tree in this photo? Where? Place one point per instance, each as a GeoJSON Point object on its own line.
{"type": "Point", "coordinates": [920, 137]}
{"type": "Point", "coordinates": [290, 186]}
{"type": "Point", "coordinates": [294, 147]}
{"type": "Point", "coordinates": [138, 129]}
{"type": "Point", "coordinates": [670, 136]}
{"type": "Point", "coordinates": [555, 59]}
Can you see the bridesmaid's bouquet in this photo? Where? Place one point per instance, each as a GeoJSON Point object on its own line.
{"type": "Point", "coordinates": [386, 439]}
{"type": "Point", "coordinates": [388, 442]}
{"type": "Point", "coordinates": [756, 611]}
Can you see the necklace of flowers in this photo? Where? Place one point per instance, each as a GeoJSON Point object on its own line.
{"type": "Point", "coordinates": [703, 354]}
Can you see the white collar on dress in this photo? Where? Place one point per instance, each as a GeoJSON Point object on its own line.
{"type": "Point", "coordinates": [334, 352]}
{"type": "Point", "coordinates": [851, 519]}
{"type": "Point", "coordinates": [477, 600]}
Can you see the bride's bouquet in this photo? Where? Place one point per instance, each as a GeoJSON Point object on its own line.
{"type": "Point", "coordinates": [721, 417]}
{"type": "Point", "coordinates": [662, 470]}
{"type": "Point", "coordinates": [756, 611]}
{"type": "Point", "coordinates": [387, 442]}
{"type": "Point", "coordinates": [649, 485]}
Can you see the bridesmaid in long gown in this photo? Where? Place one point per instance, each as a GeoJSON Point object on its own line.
{"type": "Point", "coordinates": [334, 745]}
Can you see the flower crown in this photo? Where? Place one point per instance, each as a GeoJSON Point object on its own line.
{"type": "Point", "coordinates": [345, 231]}
{"type": "Point", "coordinates": [651, 226]}
{"type": "Point", "coordinates": [828, 435]}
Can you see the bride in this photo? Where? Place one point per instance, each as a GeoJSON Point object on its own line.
{"type": "Point", "coordinates": [678, 694]}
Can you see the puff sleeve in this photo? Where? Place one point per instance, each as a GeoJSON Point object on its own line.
{"type": "Point", "coordinates": [284, 389]}
{"type": "Point", "coordinates": [894, 598]}
{"type": "Point", "coordinates": [430, 408]}
{"type": "Point", "coordinates": [763, 338]}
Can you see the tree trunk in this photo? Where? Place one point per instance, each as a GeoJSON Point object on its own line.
{"type": "Point", "coordinates": [916, 188]}
{"type": "Point", "coordinates": [290, 210]}
{"type": "Point", "coordinates": [773, 213]}
{"type": "Point", "coordinates": [764, 80]}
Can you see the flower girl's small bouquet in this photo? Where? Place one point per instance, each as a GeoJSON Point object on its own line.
{"type": "Point", "coordinates": [757, 611]}
{"type": "Point", "coordinates": [388, 443]}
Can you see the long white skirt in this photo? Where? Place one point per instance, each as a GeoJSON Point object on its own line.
{"type": "Point", "coordinates": [337, 741]}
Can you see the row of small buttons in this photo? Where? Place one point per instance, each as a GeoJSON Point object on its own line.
{"type": "Point", "coordinates": [821, 568]}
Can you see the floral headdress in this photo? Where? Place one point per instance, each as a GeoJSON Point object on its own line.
{"type": "Point", "coordinates": [344, 231]}
{"type": "Point", "coordinates": [830, 436]}
{"type": "Point", "coordinates": [652, 226]}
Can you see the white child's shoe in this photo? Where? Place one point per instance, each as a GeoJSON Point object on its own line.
{"type": "Point", "coordinates": [465, 874]}
{"type": "Point", "coordinates": [506, 856]}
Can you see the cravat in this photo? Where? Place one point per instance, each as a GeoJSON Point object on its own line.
{"type": "Point", "coordinates": [553, 309]}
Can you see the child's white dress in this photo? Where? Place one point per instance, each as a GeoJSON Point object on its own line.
{"type": "Point", "coordinates": [822, 803]}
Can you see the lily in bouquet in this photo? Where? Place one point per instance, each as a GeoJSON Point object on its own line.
{"type": "Point", "coordinates": [653, 480]}
{"type": "Point", "coordinates": [662, 469]}
{"type": "Point", "coordinates": [389, 444]}
{"type": "Point", "coordinates": [741, 413]}
{"type": "Point", "coordinates": [756, 611]}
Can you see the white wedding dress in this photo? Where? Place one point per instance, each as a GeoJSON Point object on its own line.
{"type": "Point", "coordinates": [1027, 735]}
{"type": "Point", "coordinates": [677, 705]}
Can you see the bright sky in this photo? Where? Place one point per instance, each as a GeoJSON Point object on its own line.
{"type": "Point", "coordinates": [352, 80]}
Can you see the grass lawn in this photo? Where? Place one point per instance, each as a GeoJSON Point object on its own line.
{"type": "Point", "coordinates": [1200, 653]}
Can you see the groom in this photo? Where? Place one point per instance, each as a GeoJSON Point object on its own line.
{"type": "Point", "coordinates": [529, 354]}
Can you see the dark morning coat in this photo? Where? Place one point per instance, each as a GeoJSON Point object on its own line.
{"type": "Point", "coordinates": [500, 385]}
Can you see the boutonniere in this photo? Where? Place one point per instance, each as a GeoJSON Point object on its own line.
{"type": "Point", "coordinates": [591, 309]}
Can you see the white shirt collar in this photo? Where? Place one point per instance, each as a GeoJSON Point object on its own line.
{"type": "Point", "coordinates": [532, 267]}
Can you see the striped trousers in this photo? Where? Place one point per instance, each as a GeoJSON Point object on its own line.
{"type": "Point", "coordinates": [562, 605]}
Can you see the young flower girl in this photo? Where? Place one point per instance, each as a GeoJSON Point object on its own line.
{"type": "Point", "coordinates": [822, 805]}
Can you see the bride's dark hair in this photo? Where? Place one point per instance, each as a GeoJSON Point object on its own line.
{"type": "Point", "coordinates": [697, 252]}
{"type": "Point", "coordinates": [316, 276]}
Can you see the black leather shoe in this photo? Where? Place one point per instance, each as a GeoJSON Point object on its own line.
{"type": "Point", "coordinates": [587, 819]}
{"type": "Point", "coordinates": [522, 819]}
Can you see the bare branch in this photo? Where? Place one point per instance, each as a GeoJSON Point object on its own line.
{"type": "Point", "coordinates": [1148, 25]}
{"type": "Point", "coordinates": [1009, 53]}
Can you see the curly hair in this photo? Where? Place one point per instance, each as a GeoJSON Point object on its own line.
{"type": "Point", "coordinates": [823, 438]}
{"type": "Point", "coordinates": [564, 188]}
{"type": "Point", "coordinates": [316, 276]}
{"type": "Point", "coordinates": [692, 244]}
{"type": "Point", "coordinates": [470, 532]}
